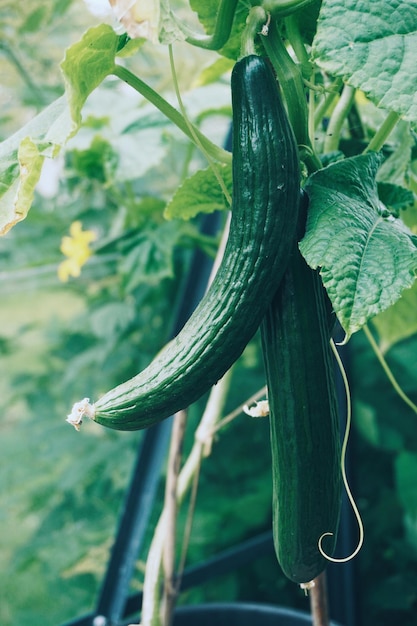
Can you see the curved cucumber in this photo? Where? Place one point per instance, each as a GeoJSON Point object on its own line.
{"type": "Point", "coordinates": [303, 422]}
{"type": "Point", "coordinates": [266, 182]}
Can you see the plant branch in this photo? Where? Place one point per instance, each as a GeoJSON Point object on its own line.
{"type": "Point", "coordinates": [201, 448]}
{"type": "Point", "coordinates": [383, 132]}
{"type": "Point", "coordinates": [222, 29]}
{"type": "Point", "coordinates": [256, 19]}
{"type": "Point", "coordinates": [192, 130]}
{"type": "Point", "coordinates": [338, 118]}
{"type": "Point", "coordinates": [214, 151]}
{"type": "Point", "coordinates": [387, 369]}
{"type": "Point", "coordinates": [170, 507]}
{"type": "Point", "coordinates": [291, 81]}
{"type": "Point", "coordinates": [331, 94]}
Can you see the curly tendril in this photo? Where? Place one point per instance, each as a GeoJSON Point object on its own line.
{"type": "Point", "coordinates": [343, 469]}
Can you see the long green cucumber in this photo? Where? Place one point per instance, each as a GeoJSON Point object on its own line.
{"type": "Point", "coordinates": [266, 181]}
{"type": "Point", "coordinates": [304, 425]}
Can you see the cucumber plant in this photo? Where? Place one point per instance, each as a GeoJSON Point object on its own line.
{"type": "Point", "coordinates": [263, 279]}
{"type": "Point", "coordinates": [266, 180]}
{"type": "Point", "coordinates": [304, 421]}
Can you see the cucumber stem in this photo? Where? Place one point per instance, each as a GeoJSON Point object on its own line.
{"type": "Point", "coordinates": [215, 152]}
{"type": "Point", "coordinates": [387, 369]}
{"type": "Point", "coordinates": [281, 8]}
{"type": "Point", "coordinates": [383, 132]}
{"type": "Point", "coordinates": [291, 81]}
{"type": "Point", "coordinates": [338, 118]}
{"type": "Point", "coordinates": [256, 22]}
{"type": "Point", "coordinates": [294, 37]}
{"type": "Point", "coordinates": [326, 103]}
{"type": "Point", "coordinates": [222, 29]}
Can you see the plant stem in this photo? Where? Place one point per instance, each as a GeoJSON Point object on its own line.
{"type": "Point", "coordinates": [281, 8]}
{"type": "Point", "coordinates": [214, 151]}
{"type": "Point", "coordinates": [387, 369]}
{"type": "Point", "coordinates": [383, 132]}
{"type": "Point", "coordinates": [170, 506]}
{"type": "Point", "coordinates": [222, 29]}
{"type": "Point", "coordinates": [192, 129]}
{"type": "Point", "coordinates": [318, 601]}
{"type": "Point", "coordinates": [327, 102]}
{"type": "Point", "coordinates": [291, 81]}
{"type": "Point", "coordinates": [201, 448]}
{"type": "Point", "coordinates": [257, 17]}
{"type": "Point", "coordinates": [297, 44]}
{"type": "Point", "coordinates": [338, 118]}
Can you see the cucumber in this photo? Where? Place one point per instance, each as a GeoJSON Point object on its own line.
{"type": "Point", "coordinates": [264, 218]}
{"type": "Point", "coordinates": [304, 426]}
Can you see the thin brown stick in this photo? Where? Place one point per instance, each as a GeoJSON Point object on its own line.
{"type": "Point", "coordinates": [318, 601]}
{"type": "Point", "coordinates": [171, 506]}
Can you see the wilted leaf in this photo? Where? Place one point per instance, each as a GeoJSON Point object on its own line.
{"type": "Point", "coordinates": [21, 159]}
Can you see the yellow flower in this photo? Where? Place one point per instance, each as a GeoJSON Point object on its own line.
{"type": "Point", "coordinates": [76, 248]}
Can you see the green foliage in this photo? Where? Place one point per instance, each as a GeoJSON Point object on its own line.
{"type": "Point", "coordinates": [366, 257]}
{"type": "Point", "coordinates": [121, 166]}
{"type": "Point", "coordinates": [200, 193]}
{"type": "Point", "coordinates": [384, 465]}
{"type": "Point", "coordinates": [356, 41]}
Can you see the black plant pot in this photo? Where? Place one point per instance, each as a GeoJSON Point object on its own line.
{"type": "Point", "coordinates": [240, 614]}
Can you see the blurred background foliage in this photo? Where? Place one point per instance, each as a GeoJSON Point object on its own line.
{"type": "Point", "coordinates": [61, 493]}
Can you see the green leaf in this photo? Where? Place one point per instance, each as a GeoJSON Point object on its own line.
{"type": "Point", "coordinates": [86, 65]}
{"type": "Point", "coordinates": [399, 321]}
{"type": "Point", "coordinates": [207, 14]}
{"type": "Point", "coordinates": [169, 30]}
{"type": "Point", "coordinates": [395, 168]}
{"type": "Point", "coordinates": [395, 197]}
{"type": "Point", "coordinates": [21, 159]}
{"type": "Point", "coordinates": [367, 257]}
{"type": "Point", "coordinates": [200, 193]}
{"type": "Point", "coordinates": [372, 46]}
{"type": "Point", "coordinates": [212, 73]}
{"type": "Point", "coordinates": [152, 258]}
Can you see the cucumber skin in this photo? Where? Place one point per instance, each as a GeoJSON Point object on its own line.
{"type": "Point", "coordinates": [266, 180]}
{"type": "Point", "coordinates": [304, 425]}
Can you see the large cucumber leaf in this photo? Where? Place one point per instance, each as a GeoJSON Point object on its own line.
{"type": "Point", "coordinates": [372, 45]}
{"type": "Point", "coordinates": [365, 255]}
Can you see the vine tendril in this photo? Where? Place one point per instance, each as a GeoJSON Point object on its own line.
{"type": "Point", "coordinates": [343, 469]}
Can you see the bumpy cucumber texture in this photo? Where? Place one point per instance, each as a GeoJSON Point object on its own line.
{"type": "Point", "coordinates": [304, 425]}
{"type": "Point", "coordinates": [266, 181]}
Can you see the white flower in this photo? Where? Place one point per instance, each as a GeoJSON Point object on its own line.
{"type": "Point", "coordinates": [139, 17]}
